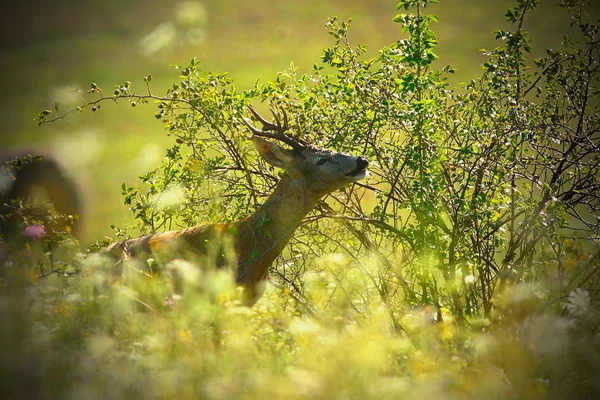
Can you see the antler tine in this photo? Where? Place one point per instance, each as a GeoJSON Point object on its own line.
{"type": "Point", "coordinates": [278, 128]}
{"type": "Point", "coordinates": [285, 119]}
{"type": "Point", "coordinates": [267, 126]}
{"type": "Point", "coordinates": [254, 129]}
{"type": "Point", "coordinates": [285, 126]}
{"type": "Point", "coordinates": [282, 127]}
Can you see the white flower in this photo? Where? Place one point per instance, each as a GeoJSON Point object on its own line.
{"type": "Point", "coordinates": [578, 302]}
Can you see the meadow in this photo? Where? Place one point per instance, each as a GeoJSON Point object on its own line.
{"type": "Point", "coordinates": [464, 267]}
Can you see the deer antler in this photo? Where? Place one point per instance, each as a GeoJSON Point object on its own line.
{"type": "Point", "coordinates": [278, 128]}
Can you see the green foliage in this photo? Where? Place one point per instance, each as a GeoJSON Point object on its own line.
{"type": "Point", "coordinates": [451, 265]}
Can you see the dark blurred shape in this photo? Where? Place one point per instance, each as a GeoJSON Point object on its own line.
{"type": "Point", "coordinates": [41, 179]}
{"type": "Point", "coordinates": [27, 22]}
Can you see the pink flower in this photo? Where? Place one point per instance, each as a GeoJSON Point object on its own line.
{"type": "Point", "coordinates": [36, 232]}
{"type": "Point", "coordinates": [168, 302]}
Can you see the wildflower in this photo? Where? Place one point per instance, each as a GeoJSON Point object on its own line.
{"type": "Point", "coordinates": [578, 302]}
{"type": "Point", "coordinates": [35, 232]}
{"type": "Point", "coordinates": [168, 302]}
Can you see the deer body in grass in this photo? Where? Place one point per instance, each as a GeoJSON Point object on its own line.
{"type": "Point", "coordinates": [309, 173]}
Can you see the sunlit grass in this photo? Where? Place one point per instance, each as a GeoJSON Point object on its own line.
{"type": "Point", "coordinates": [98, 335]}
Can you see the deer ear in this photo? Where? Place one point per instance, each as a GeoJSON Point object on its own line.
{"type": "Point", "coordinates": [272, 153]}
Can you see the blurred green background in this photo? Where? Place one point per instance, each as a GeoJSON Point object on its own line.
{"type": "Point", "coordinates": [49, 50]}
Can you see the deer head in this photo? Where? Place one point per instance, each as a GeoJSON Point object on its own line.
{"type": "Point", "coordinates": [320, 170]}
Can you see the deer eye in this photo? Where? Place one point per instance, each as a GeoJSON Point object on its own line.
{"type": "Point", "coordinates": [322, 161]}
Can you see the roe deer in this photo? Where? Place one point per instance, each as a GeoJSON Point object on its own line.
{"type": "Point", "coordinates": [310, 172]}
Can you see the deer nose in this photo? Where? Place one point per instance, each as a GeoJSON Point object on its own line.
{"type": "Point", "coordinates": [362, 163]}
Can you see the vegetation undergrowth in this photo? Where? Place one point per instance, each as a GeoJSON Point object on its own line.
{"type": "Point", "coordinates": [465, 267]}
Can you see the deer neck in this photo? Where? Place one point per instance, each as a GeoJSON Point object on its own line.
{"type": "Point", "coordinates": [287, 206]}
{"type": "Point", "coordinates": [263, 235]}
